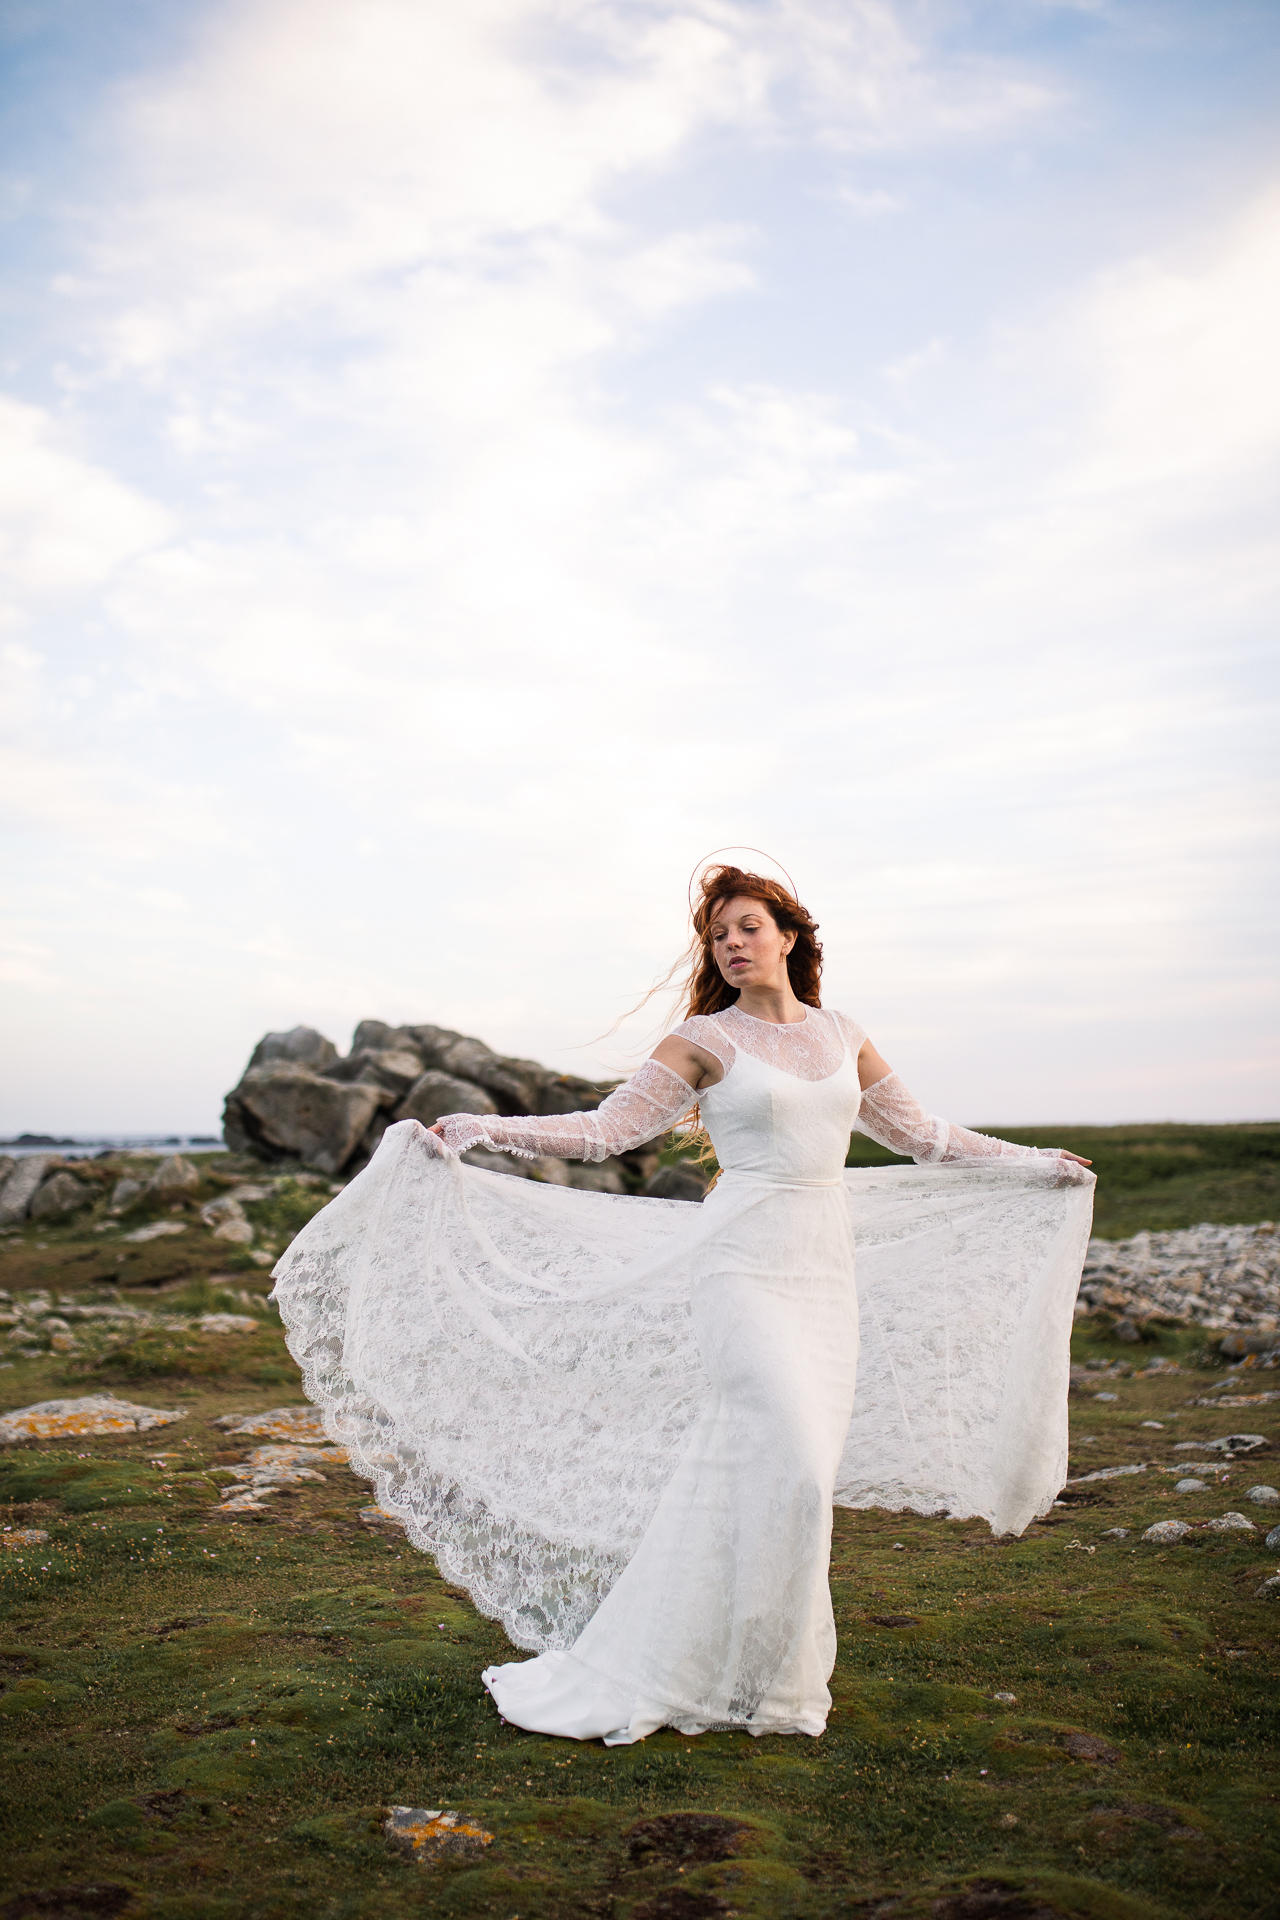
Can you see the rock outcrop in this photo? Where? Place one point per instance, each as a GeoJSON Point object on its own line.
{"type": "Point", "coordinates": [1217, 1277]}
{"type": "Point", "coordinates": [43, 1186]}
{"type": "Point", "coordinates": [300, 1099]}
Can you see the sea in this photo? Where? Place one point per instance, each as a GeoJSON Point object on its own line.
{"type": "Point", "coordinates": [87, 1146]}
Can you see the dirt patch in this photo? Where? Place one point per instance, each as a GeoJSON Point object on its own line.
{"type": "Point", "coordinates": [685, 1840]}
{"type": "Point", "coordinates": [680, 1903]}
{"type": "Point", "coordinates": [987, 1901]}
{"type": "Point", "coordinates": [68, 1903]}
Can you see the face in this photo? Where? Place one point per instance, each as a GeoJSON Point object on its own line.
{"type": "Point", "coordinates": [749, 946]}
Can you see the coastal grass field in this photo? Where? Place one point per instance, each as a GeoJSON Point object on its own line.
{"type": "Point", "coordinates": [210, 1715]}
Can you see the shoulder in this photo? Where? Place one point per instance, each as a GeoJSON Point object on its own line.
{"type": "Point", "coordinates": [705, 1031]}
{"type": "Point", "coordinates": [849, 1028]}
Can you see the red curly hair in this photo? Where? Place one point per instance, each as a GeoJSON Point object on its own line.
{"type": "Point", "coordinates": [709, 991]}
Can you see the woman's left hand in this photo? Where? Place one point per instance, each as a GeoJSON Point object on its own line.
{"type": "Point", "coordinates": [1080, 1162]}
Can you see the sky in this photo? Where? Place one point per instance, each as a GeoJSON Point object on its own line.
{"type": "Point", "coordinates": [460, 465]}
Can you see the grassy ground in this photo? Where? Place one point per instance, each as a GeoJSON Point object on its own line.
{"type": "Point", "coordinates": [203, 1716]}
{"type": "Point", "coordinates": [1157, 1176]}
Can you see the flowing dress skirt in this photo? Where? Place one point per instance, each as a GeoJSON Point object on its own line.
{"type": "Point", "coordinates": [568, 1395]}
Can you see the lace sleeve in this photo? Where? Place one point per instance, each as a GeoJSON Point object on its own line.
{"type": "Point", "coordinates": [894, 1117]}
{"type": "Point", "coordinates": [645, 1105]}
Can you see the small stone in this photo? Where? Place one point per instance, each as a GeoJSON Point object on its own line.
{"type": "Point", "coordinates": [23, 1537]}
{"type": "Point", "coordinates": [227, 1323]}
{"type": "Point", "coordinates": [1126, 1330]}
{"type": "Point", "coordinates": [174, 1175]}
{"type": "Point", "coordinates": [1231, 1523]}
{"type": "Point", "coordinates": [1269, 1590]}
{"type": "Point", "coordinates": [1273, 1540]}
{"type": "Point", "coordinates": [125, 1191]}
{"type": "Point", "coordinates": [1157, 1424]}
{"type": "Point", "coordinates": [155, 1231]}
{"type": "Point", "coordinates": [1166, 1532]}
{"type": "Point", "coordinates": [1006, 1699]}
{"type": "Point", "coordinates": [1232, 1443]}
{"type": "Point", "coordinates": [95, 1414]}
{"type": "Point", "coordinates": [379, 1517]}
{"type": "Point", "coordinates": [1106, 1396]}
{"type": "Point", "coordinates": [1190, 1486]}
{"type": "Point", "coordinates": [429, 1834]}
{"type": "Point", "coordinates": [1007, 1820]}
{"type": "Point", "coordinates": [63, 1343]}
{"type": "Point", "coordinates": [1263, 1496]}
{"type": "Point", "coordinates": [1117, 1533]}
{"type": "Point", "coordinates": [239, 1232]}
{"type": "Point", "coordinates": [280, 1423]}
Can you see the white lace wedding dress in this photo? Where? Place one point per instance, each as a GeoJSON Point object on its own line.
{"type": "Point", "coordinates": [621, 1422]}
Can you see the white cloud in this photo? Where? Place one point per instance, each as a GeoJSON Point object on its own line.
{"type": "Point", "coordinates": [65, 523]}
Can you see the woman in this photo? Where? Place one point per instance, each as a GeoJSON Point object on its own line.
{"type": "Point", "coordinates": [621, 1423]}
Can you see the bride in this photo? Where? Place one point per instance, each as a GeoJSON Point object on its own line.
{"type": "Point", "coordinates": [621, 1422]}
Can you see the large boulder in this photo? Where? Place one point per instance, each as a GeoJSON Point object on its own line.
{"type": "Point", "coordinates": [394, 1069]}
{"type": "Point", "coordinates": [281, 1111]}
{"type": "Point", "coordinates": [301, 1045]}
{"type": "Point", "coordinates": [23, 1183]}
{"type": "Point", "coordinates": [174, 1175]}
{"type": "Point", "coordinates": [435, 1093]}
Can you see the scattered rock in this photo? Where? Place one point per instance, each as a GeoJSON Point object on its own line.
{"type": "Point", "coordinates": [428, 1834]}
{"type": "Point", "coordinates": [155, 1230]}
{"type": "Point", "coordinates": [1087, 1746]}
{"type": "Point", "coordinates": [1126, 1330]}
{"type": "Point", "coordinates": [61, 1193]}
{"type": "Point", "coordinates": [1263, 1496]}
{"type": "Point", "coordinates": [174, 1175]}
{"type": "Point", "coordinates": [1167, 1532]}
{"type": "Point", "coordinates": [22, 1184]}
{"type": "Point", "coordinates": [1273, 1540]}
{"type": "Point", "coordinates": [23, 1537]}
{"type": "Point", "coordinates": [379, 1517]}
{"type": "Point", "coordinates": [1106, 1396]}
{"type": "Point", "coordinates": [1269, 1590]}
{"type": "Point", "coordinates": [125, 1192]}
{"type": "Point", "coordinates": [1232, 1443]}
{"type": "Point", "coordinates": [1117, 1533]}
{"type": "Point", "coordinates": [238, 1232]}
{"type": "Point", "coordinates": [298, 1424]}
{"type": "Point", "coordinates": [227, 1323]}
{"type": "Point", "coordinates": [1191, 1486]}
{"type": "Point", "coordinates": [1231, 1523]}
{"type": "Point", "coordinates": [95, 1414]}
{"type": "Point", "coordinates": [1006, 1699]}
{"type": "Point", "coordinates": [1107, 1473]}
{"type": "Point", "coordinates": [1224, 1278]}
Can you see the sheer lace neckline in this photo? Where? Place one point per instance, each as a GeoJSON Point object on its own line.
{"type": "Point", "coordinates": [742, 1014]}
{"type": "Point", "coordinates": [808, 1049]}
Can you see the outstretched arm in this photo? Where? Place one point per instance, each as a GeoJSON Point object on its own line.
{"type": "Point", "coordinates": [643, 1107]}
{"type": "Point", "coordinates": [891, 1115]}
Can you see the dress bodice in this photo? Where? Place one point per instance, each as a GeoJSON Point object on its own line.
{"type": "Point", "coordinates": [766, 1121]}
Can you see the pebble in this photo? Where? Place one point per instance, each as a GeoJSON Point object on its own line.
{"type": "Point", "coordinates": [156, 1230]}
{"type": "Point", "coordinates": [1232, 1443]}
{"type": "Point", "coordinates": [95, 1414]}
{"type": "Point", "coordinates": [227, 1323]}
{"type": "Point", "coordinates": [23, 1537]}
{"type": "Point", "coordinates": [1263, 1496]}
{"type": "Point", "coordinates": [1106, 1396]}
{"type": "Point", "coordinates": [1006, 1699]}
{"type": "Point", "coordinates": [1106, 1473]}
{"type": "Point", "coordinates": [1273, 1540]}
{"type": "Point", "coordinates": [1117, 1533]}
{"type": "Point", "coordinates": [1191, 1486]}
{"type": "Point", "coordinates": [1231, 1523]}
{"type": "Point", "coordinates": [1157, 1424]}
{"type": "Point", "coordinates": [1166, 1532]}
{"type": "Point", "coordinates": [1269, 1590]}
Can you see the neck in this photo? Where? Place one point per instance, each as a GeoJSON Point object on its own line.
{"type": "Point", "coordinates": [775, 1003]}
